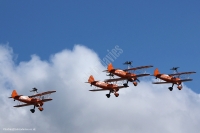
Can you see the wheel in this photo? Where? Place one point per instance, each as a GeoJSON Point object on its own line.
{"type": "Point", "coordinates": [135, 83]}
{"type": "Point", "coordinates": [108, 95]}
{"type": "Point", "coordinates": [125, 85]}
{"type": "Point", "coordinates": [179, 87]}
{"type": "Point", "coordinates": [40, 108]}
{"type": "Point", "coordinates": [32, 110]}
{"type": "Point", "coordinates": [170, 88]}
{"type": "Point", "coordinates": [116, 94]}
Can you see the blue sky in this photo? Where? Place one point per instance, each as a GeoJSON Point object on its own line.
{"type": "Point", "coordinates": [159, 33]}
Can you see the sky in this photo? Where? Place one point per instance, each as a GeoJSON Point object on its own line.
{"type": "Point", "coordinates": [54, 45]}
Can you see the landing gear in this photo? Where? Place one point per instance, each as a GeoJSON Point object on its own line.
{"type": "Point", "coordinates": [125, 85]}
{"type": "Point", "coordinates": [170, 88]}
{"type": "Point", "coordinates": [40, 108]}
{"type": "Point", "coordinates": [135, 83]}
{"type": "Point", "coordinates": [108, 95]}
{"type": "Point", "coordinates": [116, 94]}
{"type": "Point", "coordinates": [179, 87]}
{"type": "Point", "coordinates": [33, 110]}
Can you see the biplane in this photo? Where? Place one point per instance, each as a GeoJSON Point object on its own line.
{"type": "Point", "coordinates": [127, 75]}
{"type": "Point", "coordinates": [172, 78]}
{"type": "Point", "coordinates": [112, 88]}
{"type": "Point", "coordinates": [37, 100]}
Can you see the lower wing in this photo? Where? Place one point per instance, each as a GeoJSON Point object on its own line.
{"type": "Point", "coordinates": [118, 87]}
{"type": "Point", "coordinates": [46, 100]}
{"type": "Point", "coordinates": [98, 90]}
{"type": "Point", "coordinates": [113, 80]}
{"type": "Point", "coordinates": [185, 80]}
{"type": "Point", "coordinates": [141, 75]}
{"type": "Point", "coordinates": [161, 82]}
{"type": "Point", "coordinates": [22, 105]}
{"type": "Point", "coordinates": [182, 80]}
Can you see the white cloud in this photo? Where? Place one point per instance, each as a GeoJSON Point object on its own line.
{"type": "Point", "coordinates": [146, 108]}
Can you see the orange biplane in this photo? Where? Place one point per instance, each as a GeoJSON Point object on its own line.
{"type": "Point", "coordinates": [172, 78]}
{"type": "Point", "coordinates": [125, 74]}
{"type": "Point", "coordinates": [36, 100]}
{"type": "Point", "coordinates": [112, 88]}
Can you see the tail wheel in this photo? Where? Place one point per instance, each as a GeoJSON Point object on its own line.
{"type": "Point", "coordinates": [135, 83]}
{"type": "Point", "coordinates": [179, 87]}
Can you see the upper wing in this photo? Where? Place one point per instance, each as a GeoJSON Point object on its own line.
{"type": "Point", "coordinates": [27, 104]}
{"type": "Point", "coordinates": [43, 93]}
{"type": "Point", "coordinates": [136, 68]}
{"type": "Point", "coordinates": [181, 73]}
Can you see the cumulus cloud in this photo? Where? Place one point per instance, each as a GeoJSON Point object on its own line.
{"type": "Point", "coordinates": [146, 108]}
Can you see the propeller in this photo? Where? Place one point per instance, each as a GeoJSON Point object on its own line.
{"type": "Point", "coordinates": [34, 90]}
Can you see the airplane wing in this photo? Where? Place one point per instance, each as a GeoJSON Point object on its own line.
{"type": "Point", "coordinates": [182, 80]}
{"type": "Point", "coordinates": [43, 93]}
{"type": "Point", "coordinates": [112, 80]}
{"type": "Point", "coordinates": [181, 73]}
{"type": "Point", "coordinates": [119, 79]}
{"type": "Point", "coordinates": [161, 82]}
{"type": "Point", "coordinates": [98, 90]}
{"type": "Point", "coordinates": [141, 75]}
{"type": "Point", "coordinates": [46, 100]}
{"type": "Point", "coordinates": [22, 105]}
{"type": "Point", "coordinates": [120, 87]}
{"type": "Point", "coordinates": [136, 68]}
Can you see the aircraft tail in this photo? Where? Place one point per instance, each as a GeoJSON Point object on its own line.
{"type": "Point", "coordinates": [110, 67]}
{"type": "Point", "coordinates": [156, 72]}
{"type": "Point", "coordinates": [14, 94]}
{"type": "Point", "coordinates": [91, 79]}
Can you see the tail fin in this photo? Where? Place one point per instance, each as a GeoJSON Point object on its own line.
{"type": "Point", "coordinates": [91, 79]}
{"type": "Point", "coordinates": [110, 67]}
{"type": "Point", "coordinates": [14, 94]}
{"type": "Point", "coordinates": [156, 72]}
